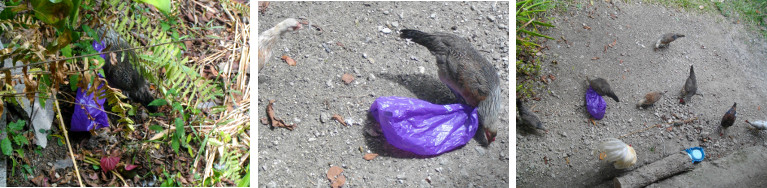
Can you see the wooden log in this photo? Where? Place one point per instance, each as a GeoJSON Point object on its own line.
{"type": "Point", "coordinates": [648, 174]}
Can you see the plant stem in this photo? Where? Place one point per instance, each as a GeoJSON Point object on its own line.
{"type": "Point", "coordinates": [66, 135]}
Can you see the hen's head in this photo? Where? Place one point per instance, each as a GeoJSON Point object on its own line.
{"type": "Point", "coordinates": [489, 132]}
{"type": "Point", "coordinates": [289, 24]}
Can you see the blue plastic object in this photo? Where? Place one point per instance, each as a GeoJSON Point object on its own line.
{"type": "Point", "coordinates": [89, 114]}
{"type": "Point", "coordinates": [595, 104]}
{"type": "Point", "coordinates": [696, 154]}
{"type": "Point", "coordinates": [423, 128]}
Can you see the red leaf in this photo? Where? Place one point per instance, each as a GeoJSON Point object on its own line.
{"type": "Point", "coordinates": [130, 167]}
{"type": "Point", "coordinates": [109, 163]}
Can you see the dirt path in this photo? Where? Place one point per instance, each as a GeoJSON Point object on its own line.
{"type": "Point", "coordinates": [311, 92]}
{"type": "Point", "coordinates": [729, 64]}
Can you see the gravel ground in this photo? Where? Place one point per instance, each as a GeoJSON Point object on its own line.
{"type": "Point", "coordinates": [729, 64]}
{"type": "Point", "coordinates": [353, 40]}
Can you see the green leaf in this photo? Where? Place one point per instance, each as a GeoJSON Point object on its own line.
{"type": "Point", "coordinates": [73, 79]}
{"type": "Point", "coordinates": [156, 128]}
{"type": "Point", "coordinates": [20, 151]}
{"type": "Point", "coordinates": [16, 126]}
{"type": "Point", "coordinates": [162, 5]}
{"type": "Point", "coordinates": [20, 140]}
{"type": "Point", "coordinates": [67, 51]}
{"type": "Point", "coordinates": [174, 144]}
{"type": "Point", "coordinates": [245, 181]}
{"type": "Point", "coordinates": [227, 137]}
{"type": "Point", "coordinates": [5, 145]}
{"type": "Point", "coordinates": [158, 102]}
{"type": "Point", "coordinates": [52, 13]}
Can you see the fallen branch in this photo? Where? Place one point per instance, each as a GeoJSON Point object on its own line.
{"type": "Point", "coordinates": [648, 174]}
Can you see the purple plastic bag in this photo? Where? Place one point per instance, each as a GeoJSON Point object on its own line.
{"type": "Point", "coordinates": [424, 128]}
{"type": "Point", "coordinates": [595, 104]}
{"type": "Point", "coordinates": [88, 114]}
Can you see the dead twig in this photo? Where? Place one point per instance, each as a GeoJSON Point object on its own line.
{"type": "Point", "coordinates": [66, 135]}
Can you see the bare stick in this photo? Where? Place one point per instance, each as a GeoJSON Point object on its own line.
{"type": "Point", "coordinates": [69, 146]}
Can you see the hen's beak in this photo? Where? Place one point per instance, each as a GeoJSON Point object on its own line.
{"type": "Point", "coordinates": [490, 136]}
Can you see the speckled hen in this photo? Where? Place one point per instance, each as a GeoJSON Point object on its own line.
{"type": "Point", "coordinates": [469, 76]}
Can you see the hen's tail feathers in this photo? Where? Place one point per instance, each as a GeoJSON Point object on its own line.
{"type": "Point", "coordinates": [424, 39]}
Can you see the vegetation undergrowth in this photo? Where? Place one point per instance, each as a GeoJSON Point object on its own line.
{"type": "Point", "coordinates": [529, 16]}
{"type": "Point", "coordinates": [750, 12]}
{"type": "Point", "coordinates": [202, 119]}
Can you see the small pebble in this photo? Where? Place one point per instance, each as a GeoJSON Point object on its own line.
{"type": "Point", "coordinates": [386, 30]}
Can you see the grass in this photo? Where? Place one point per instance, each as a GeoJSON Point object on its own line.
{"type": "Point", "coordinates": [750, 12]}
{"type": "Point", "coordinates": [529, 16]}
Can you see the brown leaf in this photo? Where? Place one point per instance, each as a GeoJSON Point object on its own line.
{"type": "Point", "coordinates": [264, 121]}
{"type": "Point", "coordinates": [333, 172]}
{"type": "Point", "coordinates": [339, 182]}
{"type": "Point", "coordinates": [594, 58]}
{"type": "Point", "coordinates": [552, 77]}
{"type": "Point", "coordinates": [289, 60]}
{"type": "Point", "coordinates": [586, 27]}
{"type": "Point", "coordinates": [40, 181]}
{"type": "Point", "coordinates": [669, 129]}
{"type": "Point", "coordinates": [276, 122]}
{"type": "Point", "coordinates": [339, 119]}
{"type": "Point", "coordinates": [262, 5]}
{"type": "Point", "coordinates": [615, 41]}
{"type": "Point", "coordinates": [543, 78]}
{"type": "Point", "coordinates": [347, 78]}
{"type": "Point", "coordinates": [370, 156]}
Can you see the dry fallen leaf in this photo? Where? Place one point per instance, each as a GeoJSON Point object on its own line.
{"type": "Point", "coordinates": [339, 182]}
{"type": "Point", "coordinates": [289, 60]}
{"type": "Point", "coordinates": [586, 27]}
{"type": "Point", "coordinates": [276, 122]}
{"type": "Point", "coordinates": [264, 121]}
{"type": "Point", "coordinates": [594, 58]}
{"type": "Point", "coordinates": [262, 5]}
{"type": "Point", "coordinates": [669, 129]}
{"type": "Point", "coordinates": [333, 174]}
{"type": "Point", "coordinates": [339, 119]}
{"type": "Point", "coordinates": [552, 77]}
{"type": "Point", "coordinates": [370, 156]}
{"type": "Point", "coordinates": [347, 78]}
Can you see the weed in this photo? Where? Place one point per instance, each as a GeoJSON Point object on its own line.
{"type": "Point", "coordinates": [528, 37]}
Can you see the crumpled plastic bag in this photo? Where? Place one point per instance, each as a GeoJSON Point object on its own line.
{"type": "Point", "coordinates": [423, 128]}
{"type": "Point", "coordinates": [595, 104]}
{"type": "Point", "coordinates": [88, 114]}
